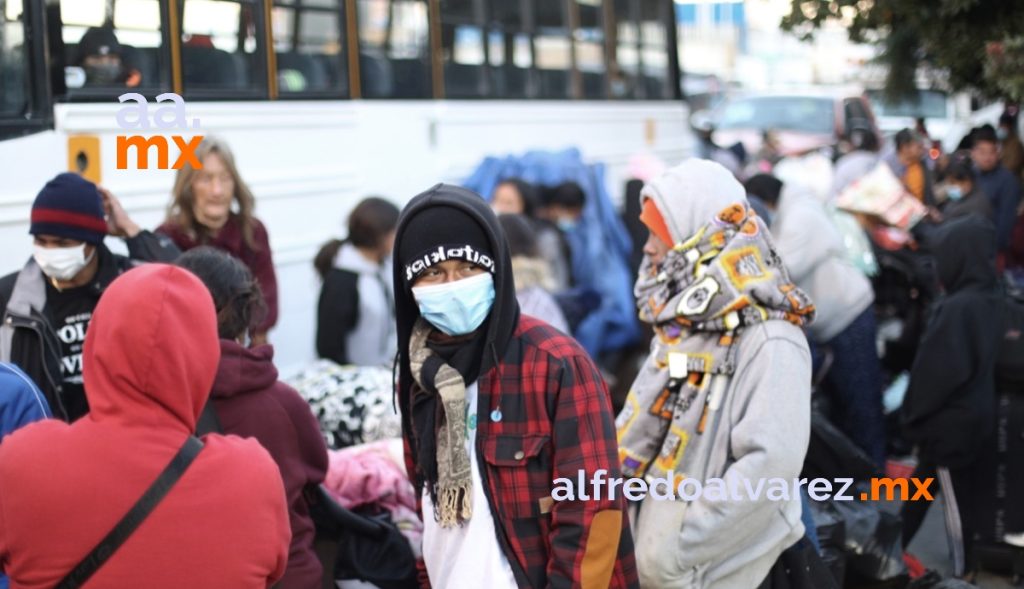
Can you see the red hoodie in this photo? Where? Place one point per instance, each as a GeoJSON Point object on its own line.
{"type": "Point", "coordinates": [150, 358]}
{"type": "Point", "coordinates": [251, 402]}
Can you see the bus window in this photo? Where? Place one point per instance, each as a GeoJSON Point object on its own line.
{"type": "Point", "coordinates": [14, 76]}
{"type": "Point", "coordinates": [510, 54]}
{"type": "Point", "coordinates": [589, 41]}
{"type": "Point", "coordinates": [624, 66]}
{"type": "Point", "coordinates": [552, 48]}
{"type": "Point", "coordinates": [461, 10]}
{"type": "Point", "coordinates": [394, 49]}
{"type": "Point", "coordinates": [310, 47]}
{"type": "Point", "coordinates": [111, 46]}
{"type": "Point", "coordinates": [654, 15]}
{"type": "Point", "coordinates": [222, 48]}
{"type": "Point", "coordinates": [462, 49]}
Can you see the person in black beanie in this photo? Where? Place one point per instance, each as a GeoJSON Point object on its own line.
{"type": "Point", "coordinates": [105, 61]}
{"type": "Point", "coordinates": [495, 406]}
{"type": "Point", "coordinates": [46, 306]}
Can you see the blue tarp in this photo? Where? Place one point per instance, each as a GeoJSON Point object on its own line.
{"type": "Point", "coordinates": [600, 243]}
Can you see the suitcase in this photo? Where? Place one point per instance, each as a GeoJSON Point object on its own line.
{"type": "Point", "coordinates": [998, 504]}
{"type": "Point", "coordinates": [999, 508]}
{"type": "Point", "coordinates": [1010, 362]}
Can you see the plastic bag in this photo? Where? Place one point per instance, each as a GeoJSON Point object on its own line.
{"type": "Point", "coordinates": [831, 532]}
{"type": "Point", "coordinates": [932, 580]}
{"type": "Point", "coordinates": [858, 246]}
{"type": "Point", "coordinates": [873, 538]}
{"type": "Point", "coordinates": [831, 454]}
{"type": "Point", "coordinates": [892, 398]}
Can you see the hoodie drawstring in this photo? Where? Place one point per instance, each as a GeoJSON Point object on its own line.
{"type": "Point", "coordinates": [394, 383]}
{"type": "Point", "coordinates": [496, 412]}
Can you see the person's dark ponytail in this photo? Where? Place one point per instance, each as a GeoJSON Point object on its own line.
{"type": "Point", "coordinates": [236, 294]}
{"type": "Point", "coordinates": [324, 260]}
{"type": "Point", "coordinates": [370, 221]}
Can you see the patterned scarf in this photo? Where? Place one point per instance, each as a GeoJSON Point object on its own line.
{"type": "Point", "coordinates": [727, 276]}
{"type": "Point", "coordinates": [451, 487]}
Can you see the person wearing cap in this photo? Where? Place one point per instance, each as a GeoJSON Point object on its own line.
{"type": "Point", "coordinates": [104, 60]}
{"type": "Point", "coordinates": [47, 305]}
{"type": "Point", "coordinates": [496, 406]}
{"type": "Point", "coordinates": [725, 393]}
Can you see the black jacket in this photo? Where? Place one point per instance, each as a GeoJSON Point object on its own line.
{"type": "Point", "coordinates": [973, 203]}
{"type": "Point", "coordinates": [33, 343]}
{"type": "Point", "coordinates": [1003, 191]}
{"type": "Point", "coordinates": [337, 314]}
{"type": "Point", "coordinates": [949, 408]}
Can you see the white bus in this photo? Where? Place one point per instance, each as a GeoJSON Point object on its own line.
{"type": "Point", "coordinates": [326, 101]}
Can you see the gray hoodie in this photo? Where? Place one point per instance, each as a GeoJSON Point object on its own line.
{"type": "Point", "coordinates": [761, 432]}
{"type": "Point", "coordinates": [372, 342]}
{"type": "Point", "coordinates": [815, 255]}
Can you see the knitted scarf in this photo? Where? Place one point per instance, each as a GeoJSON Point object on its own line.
{"type": "Point", "coordinates": [725, 277]}
{"type": "Point", "coordinates": [439, 415]}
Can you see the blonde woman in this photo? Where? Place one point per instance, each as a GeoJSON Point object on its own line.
{"type": "Point", "coordinates": [214, 206]}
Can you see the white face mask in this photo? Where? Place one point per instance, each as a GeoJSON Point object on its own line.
{"type": "Point", "coordinates": [62, 263]}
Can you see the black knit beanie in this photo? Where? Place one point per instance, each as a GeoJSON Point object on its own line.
{"type": "Point", "coordinates": [442, 233]}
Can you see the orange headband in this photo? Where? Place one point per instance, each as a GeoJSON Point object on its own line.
{"type": "Point", "coordinates": [651, 217]}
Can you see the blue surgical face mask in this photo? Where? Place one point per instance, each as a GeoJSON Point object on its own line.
{"type": "Point", "coordinates": [566, 225]}
{"type": "Point", "coordinates": [459, 307]}
{"type": "Point", "coordinates": [954, 192]}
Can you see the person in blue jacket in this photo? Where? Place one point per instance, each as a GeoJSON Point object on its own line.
{"type": "Point", "coordinates": [21, 403]}
{"type": "Point", "coordinates": [998, 183]}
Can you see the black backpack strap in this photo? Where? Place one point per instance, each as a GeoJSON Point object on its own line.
{"type": "Point", "coordinates": [134, 518]}
{"type": "Point", "coordinates": [208, 422]}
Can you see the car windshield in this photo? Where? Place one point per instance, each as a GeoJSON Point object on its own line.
{"type": "Point", "coordinates": [791, 113]}
{"type": "Point", "coordinates": [930, 104]}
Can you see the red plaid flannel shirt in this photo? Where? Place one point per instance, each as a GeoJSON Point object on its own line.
{"type": "Point", "coordinates": [556, 421]}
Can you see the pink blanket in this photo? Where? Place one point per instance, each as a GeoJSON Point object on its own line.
{"type": "Point", "coordinates": [368, 475]}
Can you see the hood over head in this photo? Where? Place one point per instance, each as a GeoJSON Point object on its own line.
{"type": "Point", "coordinates": [151, 351]}
{"type": "Point", "coordinates": [244, 370]}
{"type": "Point", "coordinates": [504, 315]}
{"type": "Point", "coordinates": [689, 195]}
{"type": "Point", "coordinates": [965, 253]}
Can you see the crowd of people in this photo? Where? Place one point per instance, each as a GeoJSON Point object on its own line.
{"type": "Point", "coordinates": [157, 400]}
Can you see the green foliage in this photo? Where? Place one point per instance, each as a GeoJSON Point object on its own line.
{"type": "Point", "coordinates": [950, 36]}
{"type": "Point", "coordinates": [1004, 65]}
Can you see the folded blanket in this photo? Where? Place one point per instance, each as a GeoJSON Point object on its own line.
{"type": "Point", "coordinates": [372, 475]}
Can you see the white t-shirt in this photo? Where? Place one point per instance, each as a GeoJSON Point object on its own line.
{"type": "Point", "coordinates": [466, 556]}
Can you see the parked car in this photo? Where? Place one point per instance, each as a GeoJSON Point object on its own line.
{"type": "Point", "coordinates": [801, 121]}
{"type": "Point", "coordinates": [937, 108]}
